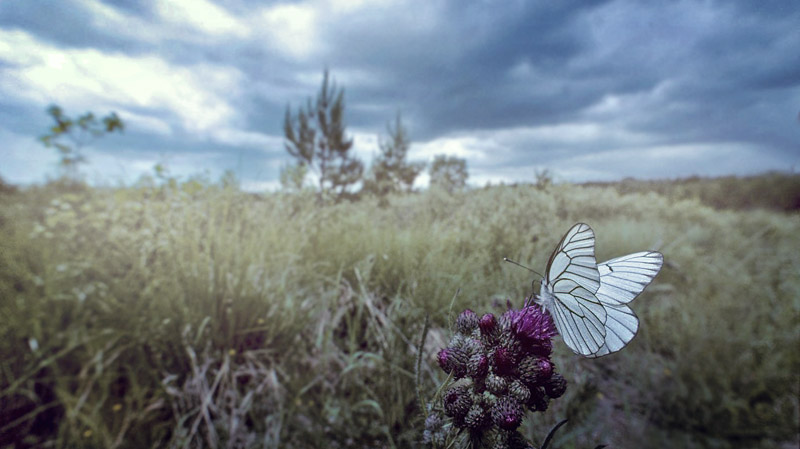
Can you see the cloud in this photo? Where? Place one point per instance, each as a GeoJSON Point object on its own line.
{"type": "Point", "coordinates": [591, 89]}
{"type": "Point", "coordinates": [197, 96]}
{"type": "Point", "coordinates": [200, 15]}
{"type": "Point", "coordinates": [289, 28]}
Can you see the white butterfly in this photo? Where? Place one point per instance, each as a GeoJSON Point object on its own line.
{"type": "Point", "coordinates": [587, 301]}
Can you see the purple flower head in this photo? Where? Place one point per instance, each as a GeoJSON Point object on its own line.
{"type": "Point", "coordinates": [532, 325]}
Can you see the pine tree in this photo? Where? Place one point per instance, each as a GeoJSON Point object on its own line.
{"type": "Point", "coordinates": [449, 173]}
{"type": "Point", "coordinates": [316, 138]}
{"type": "Point", "coordinates": [390, 172]}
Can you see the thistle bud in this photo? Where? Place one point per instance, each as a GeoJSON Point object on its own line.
{"type": "Point", "coordinates": [453, 361]}
{"type": "Point", "coordinates": [519, 391]}
{"type": "Point", "coordinates": [535, 370]}
{"type": "Point", "coordinates": [538, 401]}
{"type": "Point", "coordinates": [478, 366]}
{"type": "Point", "coordinates": [435, 432]}
{"type": "Point", "coordinates": [457, 401]}
{"type": "Point", "coordinates": [487, 324]}
{"type": "Point", "coordinates": [496, 384]}
{"type": "Point", "coordinates": [507, 413]}
{"type": "Point", "coordinates": [542, 348]}
{"type": "Point", "coordinates": [504, 361]}
{"type": "Point", "coordinates": [477, 418]}
{"type": "Point", "coordinates": [443, 357]}
{"type": "Point", "coordinates": [556, 386]}
{"type": "Point", "coordinates": [467, 322]}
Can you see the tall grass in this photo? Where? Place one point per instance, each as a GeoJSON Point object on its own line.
{"type": "Point", "coordinates": [212, 318]}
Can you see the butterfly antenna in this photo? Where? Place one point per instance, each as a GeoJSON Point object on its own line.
{"type": "Point", "coordinates": [506, 259]}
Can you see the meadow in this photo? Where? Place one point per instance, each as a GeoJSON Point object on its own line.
{"type": "Point", "coordinates": [202, 316]}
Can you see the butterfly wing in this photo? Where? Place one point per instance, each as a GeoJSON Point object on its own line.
{"type": "Point", "coordinates": [621, 280]}
{"type": "Point", "coordinates": [573, 259]}
{"type": "Point", "coordinates": [571, 280]}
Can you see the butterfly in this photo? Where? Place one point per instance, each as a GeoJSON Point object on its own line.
{"type": "Point", "coordinates": [588, 301]}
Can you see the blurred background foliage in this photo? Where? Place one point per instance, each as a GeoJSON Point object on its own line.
{"type": "Point", "coordinates": [191, 314]}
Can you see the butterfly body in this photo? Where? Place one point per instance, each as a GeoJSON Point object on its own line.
{"type": "Point", "coordinates": [588, 301]}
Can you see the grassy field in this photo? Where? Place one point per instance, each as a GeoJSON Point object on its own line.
{"type": "Point", "coordinates": [147, 317]}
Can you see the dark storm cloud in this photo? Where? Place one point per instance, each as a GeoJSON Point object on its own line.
{"type": "Point", "coordinates": [66, 23]}
{"type": "Point", "coordinates": [514, 84]}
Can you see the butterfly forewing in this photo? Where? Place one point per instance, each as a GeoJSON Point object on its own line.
{"type": "Point", "coordinates": [574, 259]}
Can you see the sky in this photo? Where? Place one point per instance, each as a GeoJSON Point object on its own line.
{"type": "Point", "coordinates": [589, 90]}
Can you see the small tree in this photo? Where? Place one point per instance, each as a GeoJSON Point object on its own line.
{"type": "Point", "coordinates": [292, 177]}
{"type": "Point", "coordinates": [70, 136]}
{"type": "Point", "coordinates": [449, 173]}
{"type": "Point", "coordinates": [390, 172]}
{"type": "Point", "coordinates": [316, 138]}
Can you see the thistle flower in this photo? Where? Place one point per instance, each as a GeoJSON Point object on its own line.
{"type": "Point", "coordinates": [532, 325]}
{"type": "Point", "coordinates": [505, 369]}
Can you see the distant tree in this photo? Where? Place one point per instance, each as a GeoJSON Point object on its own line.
{"type": "Point", "coordinates": [544, 179]}
{"type": "Point", "coordinates": [390, 172]}
{"type": "Point", "coordinates": [449, 173]}
{"type": "Point", "coordinates": [315, 137]}
{"type": "Point", "coordinates": [70, 136]}
{"type": "Point", "coordinates": [292, 177]}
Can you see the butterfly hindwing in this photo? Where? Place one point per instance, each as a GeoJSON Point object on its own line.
{"type": "Point", "coordinates": [579, 317]}
{"type": "Point", "coordinates": [621, 326]}
{"type": "Point", "coordinates": [621, 280]}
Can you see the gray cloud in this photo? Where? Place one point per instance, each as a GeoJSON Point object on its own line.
{"type": "Point", "coordinates": [511, 88]}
